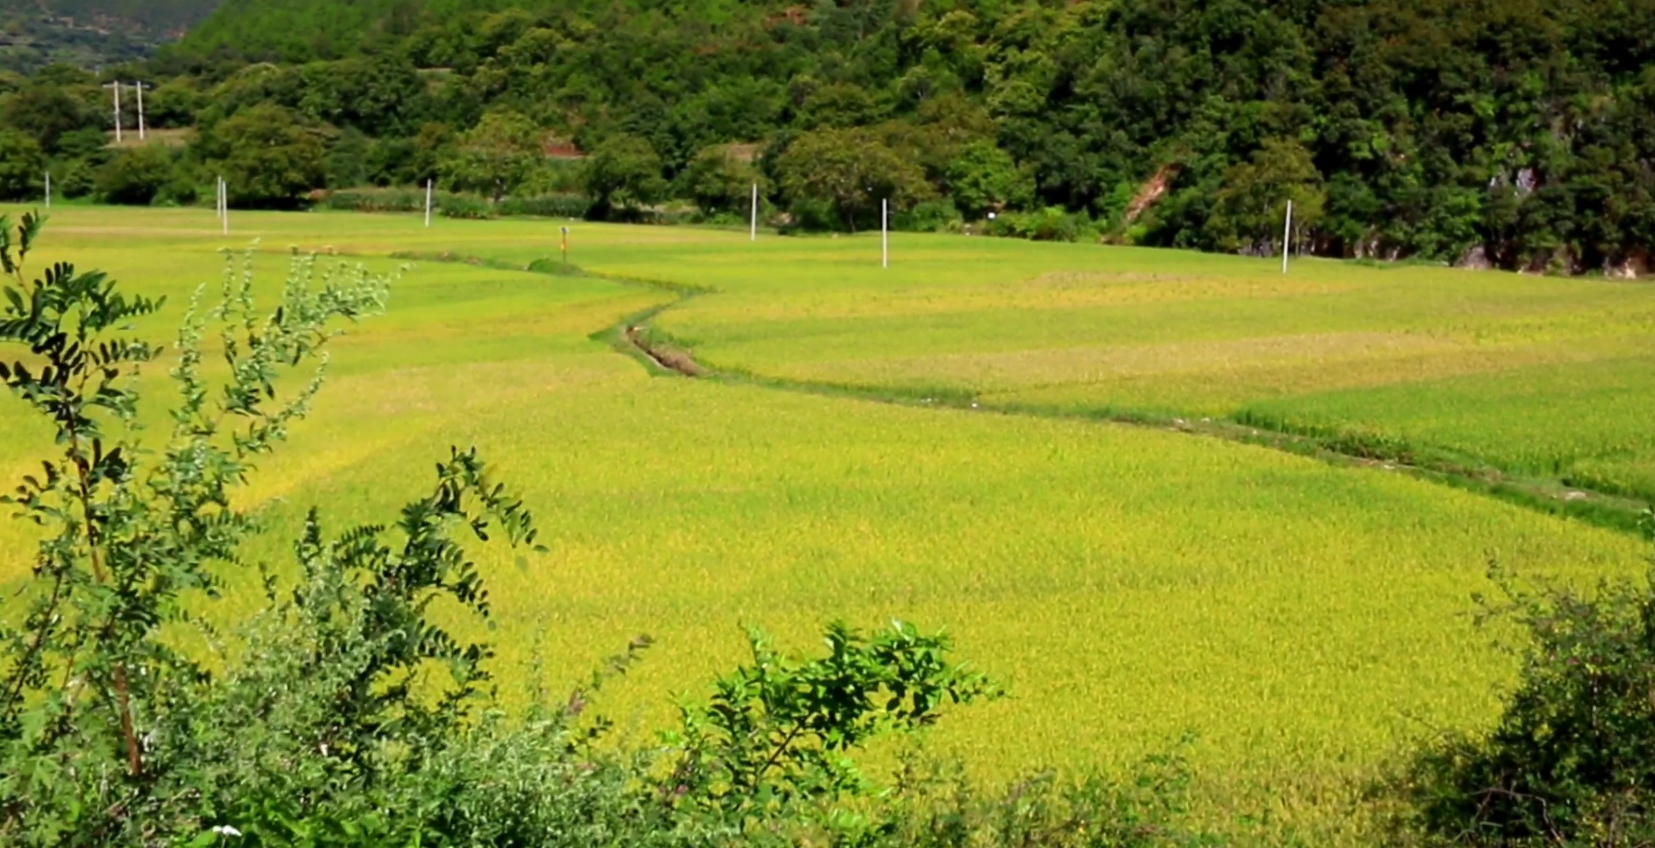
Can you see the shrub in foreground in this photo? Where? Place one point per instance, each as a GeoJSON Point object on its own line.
{"type": "Point", "coordinates": [1572, 759]}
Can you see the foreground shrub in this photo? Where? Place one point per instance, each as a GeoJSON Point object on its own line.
{"type": "Point", "coordinates": [1572, 759]}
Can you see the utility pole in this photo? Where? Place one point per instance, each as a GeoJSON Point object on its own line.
{"type": "Point", "coordinates": [116, 87]}
{"type": "Point", "coordinates": [139, 86]}
{"type": "Point", "coordinates": [224, 204]}
{"type": "Point", "coordinates": [885, 233]}
{"type": "Point", "coordinates": [754, 234]}
{"type": "Point", "coordinates": [429, 185]}
{"type": "Point", "coordinates": [48, 189]}
{"type": "Point", "coordinates": [1287, 236]}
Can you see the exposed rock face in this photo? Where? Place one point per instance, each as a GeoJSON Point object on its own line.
{"type": "Point", "coordinates": [1475, 259]}
{"type": "Point", "coordinates": [1631, 267]}
{"type": "Point", "coordinates": [1151, 191]}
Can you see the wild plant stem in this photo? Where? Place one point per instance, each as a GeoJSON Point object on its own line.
{"type": "Point", "coordinates": [123, 698]}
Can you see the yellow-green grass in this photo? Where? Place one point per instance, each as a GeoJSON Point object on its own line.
{"type": "Point", "coordinates": [1330, 347]}
{"type": "Point", "coordinates": [1305, 620]}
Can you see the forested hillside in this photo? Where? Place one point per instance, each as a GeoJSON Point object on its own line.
{"type": "Point", "coordinates": [1517, 134]}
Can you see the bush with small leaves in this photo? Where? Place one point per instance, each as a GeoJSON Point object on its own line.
{"type": "Point", "coordinates": [1572, 759]}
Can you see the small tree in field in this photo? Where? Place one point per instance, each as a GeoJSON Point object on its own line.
{"type": "Point", "coordinates": [135, 177]}
{"type": "Point", "coordinates": [852, 171]}
{"type": "Point", "coordinates": [718, 183]}
{"type": "Point", "coordinates": [1251, 205]}
{"type": "Point", "coordinates": [983, 178]}
{"type": "Point", "coordinates": [493, 157]}
{"type": "Point", "coordinates": [270, 156]}
{"type": "Point", "coordinates": [624, 172]}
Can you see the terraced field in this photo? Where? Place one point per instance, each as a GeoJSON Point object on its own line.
{"type": "Point", "coordinates": [1305, 619]}
{"type": "Point", "coordinates": [1532, 376]}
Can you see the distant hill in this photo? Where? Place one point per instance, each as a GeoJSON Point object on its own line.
{"type": "Point", "coordinates": [91, 33]}
{"type": "Point", "coordinates": [165, 17]}
{"type": "Point", "coordinates": [304, 30]}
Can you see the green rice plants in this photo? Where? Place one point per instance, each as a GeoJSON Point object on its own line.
{"type": "Point", "coordinates": [347, 710]}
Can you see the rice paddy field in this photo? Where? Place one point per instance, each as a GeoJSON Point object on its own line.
{"type": "Point", "coordinates": [1305, 619]}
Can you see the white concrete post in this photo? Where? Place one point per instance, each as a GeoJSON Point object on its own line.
{"type": "Point", "coordinates": [885, 233]}
{"type": "Point", "coordinates": [1287, 236]}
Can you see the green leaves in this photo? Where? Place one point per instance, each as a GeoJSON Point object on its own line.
{"type": "Point", "coordinates": [853, 170]}
{"type": "Point", "coordinates": [129, 530]}
{"type": "Point", "coordinates": [495, 156]}
{"type": "Point", "coordinates": [778, 730]}
{"type": "Point", "coordinates": [1572, 758]}
{"type": "Point", "coordinates": [624, 171]}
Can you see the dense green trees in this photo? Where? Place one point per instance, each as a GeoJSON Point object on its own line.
{"type": "Point", "coordinates": [984, 178]}
{"type": "Point", "coordinates": [718, 182]}
{"type": "Point", "coordinates": [1250, 202]}
{"type": "Point", "coordinates": [624, 173]}
{"type": "Point", "coordinates": [22, 166]}
{"type": "Point", "coordinates": [1442, 129]}
{"type": "Point", "coordinates": [269, 156]}
{"type": "Point", "coordinates": [50, 112]}
{"type": "Point", "coordinates": [851, 171]}
{"type": "Point", "coordinates": [136, 176]}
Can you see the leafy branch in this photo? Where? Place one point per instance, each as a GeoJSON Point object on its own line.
{"type": "Point", "coordinates": [132, 531]}
{"type": "Point", "coordinates": [778, 730]}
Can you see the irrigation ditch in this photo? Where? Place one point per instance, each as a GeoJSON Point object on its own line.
{"type": "Point", "coordinates": [637, 338]}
